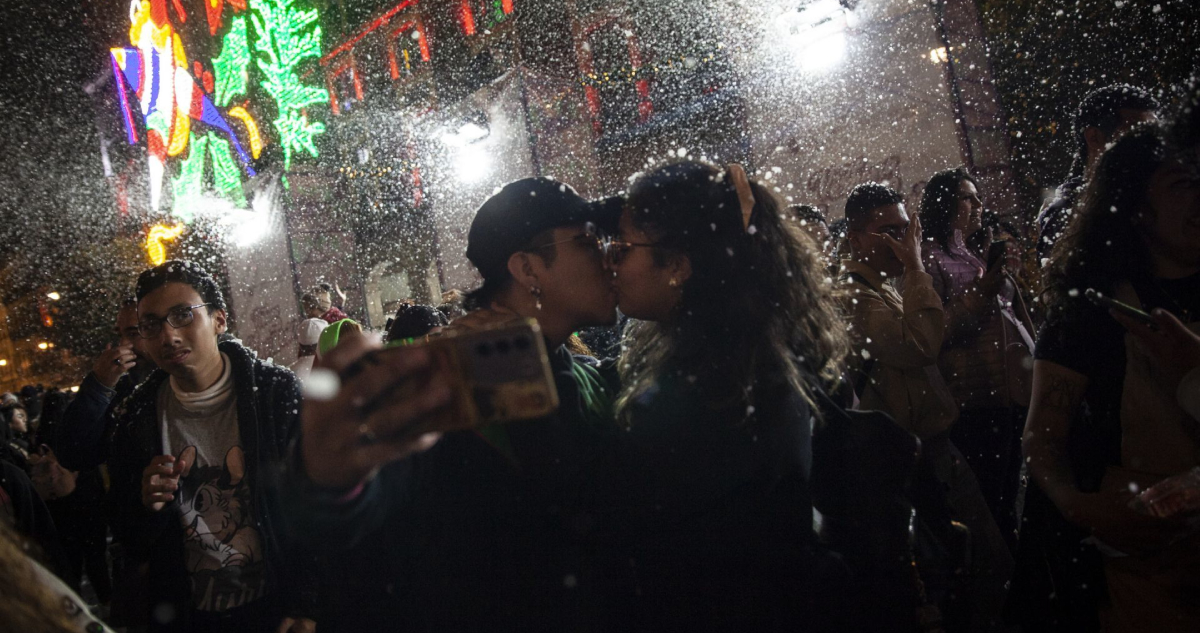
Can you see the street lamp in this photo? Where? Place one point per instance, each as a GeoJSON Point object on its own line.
{"type": "Point", "coordinates": [53, 296]}
{"type": "Point", "coordinates": [3, 362]}
{"type": "Point", "coordinates": [43, 345]}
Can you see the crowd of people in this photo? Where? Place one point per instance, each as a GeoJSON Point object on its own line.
{"type": "Point", "coordinates": [927, 418]}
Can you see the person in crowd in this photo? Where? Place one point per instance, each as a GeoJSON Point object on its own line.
{"type": "Point", "coordinates": [812, 220]}
{"type": "Point", "coordinates": [22, 509]}
{"type": "Point", "coordinates": [733, 332]}
{"type": "Point", "coordinates": [31, 400]}
{"type": "Point", "coordinates": [1136, 239]}
{"type": "Point", "coordinates": [898, 337]}
{"type": "Point", "coordinates": [452, 304]}
{"type": "Point", "coordinates": [837, 236]}
{"type": "Point", "coordinates": [449, 547]}
{"type": "Point", "coordinates": [1103, 115]}
{"type": "Point", "coordinates": [309, 334]}
{"type": "Point", "coordinates": [412, 322]}
{"type": "Point", "coordinates": [192, 461]}
{"type": "Point", "coordinates": [318, 303]}
{"type": "Point", "coordinates": [84, 439]}
{"type": "Point", "coordinates": [16, 418]}
{"type": "Point", "coordinates": [987, 345]}
{"type": "Point", "coordinates": [54, 407]}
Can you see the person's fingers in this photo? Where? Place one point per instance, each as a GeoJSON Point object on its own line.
{"type": "Point", "coordinates": [158, 497]}
{"type": "Point", "coordinates": [183, 467]}
{"type": "Point", "coordinates": [387, 452]}
{"type": "Point", "coordinates": [285, 626]}
{"type": "Point", "coordinates": [373, 375]}
{"type": "Point", "coordinates": [348, 349]}
{"type": "Point", "coordinates": [411, 416]}
{"type": "Point", "coordinates": [1138, 328]}
{"type": "Point", "coordinates": [160, 487]}
{"type": "Point", "coordinates": [1169, 325]}
{"type": "Point", "coordinates": [161, 469]}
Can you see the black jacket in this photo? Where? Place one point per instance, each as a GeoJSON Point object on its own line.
{"type": "Point", "coordinates": [1053, 220]}
{"type": "Point", "coordinates": [461, 537]}
{"type": "Point", "coordinates": [84, 437]}
{"type": "Point", "coordinates": [578, 525]}
{"type": "Point", "coordinates": [268, 406]}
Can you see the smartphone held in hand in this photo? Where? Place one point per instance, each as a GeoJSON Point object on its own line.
{"type": "Point", "coordinates": [499, 373]}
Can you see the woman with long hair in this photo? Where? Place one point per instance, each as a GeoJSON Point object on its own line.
{"type": "Point", "coordinates": [1136, 238]}
{"type": "Point", "coordinates": [734, 330]}
{"type": "Point", "coordinates": [987, 345]}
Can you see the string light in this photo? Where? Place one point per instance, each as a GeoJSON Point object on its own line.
{"type": "Point", "coordinates": [159, 233]}
{"type": "Point", "coordinates": [634, 74]}
{"type": "Point", "coordinates": [256, 143]}
{"type": "Point", "coordinates": [286, 37]}
{"type": "Point", "coordinates": [188, 186]}
{"type": "Point", "coordinates": [232, 64]}
{"type": "Point", "coordinates": [226, 177]}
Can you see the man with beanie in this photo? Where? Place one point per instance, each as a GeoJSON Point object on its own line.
{"type": "Point", "coordinates": [458, 535]}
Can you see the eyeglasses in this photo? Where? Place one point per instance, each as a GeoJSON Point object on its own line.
{"type": "Point", "coordinates": [177, 318]}
{"type": "Point", "coordinates": [616, 249]}
{"type": "Point", "coordinates": [589, 238]}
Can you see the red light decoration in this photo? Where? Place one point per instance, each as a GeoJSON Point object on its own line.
{"type": "Point", "coordinates": [467, 17]}
{"type": "Point", "coordinates": [506, 6]}
{"type": "Point", "coordinates": [378, 22]}
{"type": "Point", "coordinates": [394, 61]}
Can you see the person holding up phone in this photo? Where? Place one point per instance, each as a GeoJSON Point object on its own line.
{"type": "Point", "coordinates": [453, 529]}
{"type": "Point", "coordinates": [1135, 239]}
{"type": "Point", "coordinates": [987, 348]}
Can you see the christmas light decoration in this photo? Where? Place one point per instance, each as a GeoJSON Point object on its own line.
{"type": "Point", "coordinates": [402, 38]}
{"type": "Point", "coordinates": [227, 178]}
{"type": "Point", "coordinates": [159, 233]}
{"type": "Point", "coordinates": [287, 36]}
{"type": "Point", "coordinates": [188, 186]}
{"type": "Point", "coordinates": [256, 143]}
{"type": "Point", "coordinates": [232, 64]}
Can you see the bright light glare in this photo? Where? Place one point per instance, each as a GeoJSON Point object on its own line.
{"type": "Point", "coordinates": [3, 362]}
{"type": "Point", "coordinates": [471, 164]}
{"type": "Point", "coordinates": [53, 296]}
{"type": "Point", "coordinates": [822, 54]}
{"type": "Point", "coordinates": [43, 345]}
{"type": "Point", "coordinates": [816, 34]}
{"type": "Point", "coordinates": [74, 388]}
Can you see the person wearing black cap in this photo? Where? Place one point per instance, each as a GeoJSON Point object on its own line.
{"type": "Point", "coordinates": [453, 531]}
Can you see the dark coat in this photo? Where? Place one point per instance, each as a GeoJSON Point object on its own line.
{"type": "Point", "coordinates": [268, 406]}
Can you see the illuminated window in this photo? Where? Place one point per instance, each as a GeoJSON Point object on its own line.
{"type": "Point", "coordinates": [408, 49]}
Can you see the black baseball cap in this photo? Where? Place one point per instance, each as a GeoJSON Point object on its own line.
{"type": "Point", "coordinates": [507, 221]}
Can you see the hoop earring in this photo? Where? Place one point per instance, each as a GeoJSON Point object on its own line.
{"type": "Point", "coordinates": [537, 296]}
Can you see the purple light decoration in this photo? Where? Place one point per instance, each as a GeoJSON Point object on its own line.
{"type": "Point", "coordinates": [130, 132]}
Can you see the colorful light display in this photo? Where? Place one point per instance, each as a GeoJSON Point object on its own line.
{"type": "Point", "coordinates": [276, 34]}
{"type": "Point", "coordinates": [232, 65]}
{"type": "Point", "coordinates": [287, 36]}
{"type": "Point", "coordinates": [156, 252]}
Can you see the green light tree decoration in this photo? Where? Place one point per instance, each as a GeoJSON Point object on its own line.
{"type": "Point", "coordinates": [232, 64]}
{"type": "Point", "coordinates": [286, 36]}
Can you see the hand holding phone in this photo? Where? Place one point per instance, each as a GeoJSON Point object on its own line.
{"type": "Point", "coordinates": [1121, 308]}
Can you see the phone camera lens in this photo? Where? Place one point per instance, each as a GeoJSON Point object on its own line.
{"type": "Point", "coordinates": [502, 347]}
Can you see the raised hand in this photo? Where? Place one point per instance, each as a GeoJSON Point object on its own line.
{"type": "Point", "coordinates": [364, 425]}
{"type": "Point", "coordinates": [112, 363]}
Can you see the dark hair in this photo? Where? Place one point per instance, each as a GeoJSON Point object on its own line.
{"type": "Point", "coordinates": [1101, 108]}
{"type": "Point", "coordinates": [807, 213]}
{"type": "Point", "coordinates": [1185, 121]}
{"type": "Point", "coordinates": [185, 272]}
{"type": "Point", "coordinates": [414, 320]}
{"type": "Point", "coordinates": [308, 301]}
{"type": "Point", "coordinates": [938, 202]}
{"type": "Point", "coordinates": [540, 245]}
{"type": "Point", "coordinates": [756, 299]}
{"type": "Point", "coordinates": [865, 198]}
{"type": "Point", "coordinates": [1101, 245]}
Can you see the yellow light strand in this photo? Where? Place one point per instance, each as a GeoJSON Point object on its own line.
{"type": "Point", "coordinates": [256, 144]}
{"type": "Point", "coordinates": [154, 241]}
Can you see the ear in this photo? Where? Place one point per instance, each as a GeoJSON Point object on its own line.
{"type": "Point", "coordinates": [855, 238]}
{"type": "Point", "coordinates": [219, 321]}
{"type": "Point", "coordinates": [235, 465]}
{"type": "Point", "coordinates": [681, 268]}
{"type": "Point", "coordinates": [521, 267]}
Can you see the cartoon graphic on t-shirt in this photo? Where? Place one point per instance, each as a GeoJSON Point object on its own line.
{"type": "Point", "coordinates": [224, 549]}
